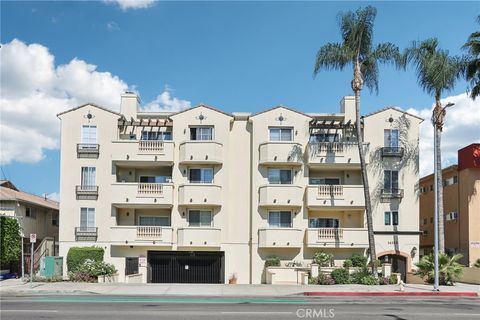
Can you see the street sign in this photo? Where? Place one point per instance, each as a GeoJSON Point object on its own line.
{"type": "Point", "coordinates": [33, 237]}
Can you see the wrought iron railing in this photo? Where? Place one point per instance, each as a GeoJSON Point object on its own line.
{"type": "Point", "coordinates": [392, 152]}
{"type": "Point", "coordinates": [86, 233]}
{"type": "Point", "coordinates": [392, 193]}
{"type": "Point", "coordinates": [86, 192]}
{"type": "Point", "coordinates": [88, 150]}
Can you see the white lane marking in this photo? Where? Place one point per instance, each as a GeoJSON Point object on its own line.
{"type": "Point", "coordinates": [12, 310]}
{"type": "Point", "coordinates": [256, 312]}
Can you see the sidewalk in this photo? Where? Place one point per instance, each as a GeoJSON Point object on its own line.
{"type": "Point", "coordinates": [14, 287]}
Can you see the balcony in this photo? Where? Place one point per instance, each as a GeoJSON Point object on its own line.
{"type": "Point", "coordinates": [335, 196]}
{"type": "Point", "coordinates": [201, 152]}
{"type": "Point", "coordinates": [199, 237]}
{"type": "Point", "coordinates": [280, 195]}
{"type": "Point", "coordinates": [279, 238]}
{"type": "Point", "coordinates": [199, 194]}
{"type": "Point", "coordinates": [131, 151]}
{"type": "Point", "coordinates": [337, 238]}
{"type": "Point", "coordinates": [387, 194]}
{"type": "Point", "coordinates": [141, 235]}
{"type": "Point", "coordinates": [86, 192]}
{"type": "Point", "coordinates": [280, 153]}
{"type": "Point", "coordinates": [392, 152]}
{"type": "Point", "coordinates": [86, 234]}
{"type": "Point", "coordinates": [335, 154]}
{"type": "Point", "coordinates": [133, 194]}
{"type": "Point", "coordinates": [88, 150]}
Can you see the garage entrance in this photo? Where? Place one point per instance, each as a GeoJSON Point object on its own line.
{"type": "Point", "coordinates": [185, 267]}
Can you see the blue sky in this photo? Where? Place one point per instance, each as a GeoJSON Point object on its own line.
{"type": "Point", "coordinates": [241, 56]}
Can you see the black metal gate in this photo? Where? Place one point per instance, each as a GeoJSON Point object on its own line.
{"type": "Point", "coordinates": [186, 267]}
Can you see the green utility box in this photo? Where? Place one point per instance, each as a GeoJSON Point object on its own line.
{"type": "Point", "coordinates": [51, 266]}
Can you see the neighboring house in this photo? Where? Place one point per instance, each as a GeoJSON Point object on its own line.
{"type": "Point", "coordinates": [35, 214]}
{"type": "Point", "coordinates": [461, 207]}
{"type": "Point", "coordinates": [201, 195]}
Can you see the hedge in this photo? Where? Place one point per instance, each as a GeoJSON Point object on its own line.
{"type": "Point", "coordinates": [77, 255]}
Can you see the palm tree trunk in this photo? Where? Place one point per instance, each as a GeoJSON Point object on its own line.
{"type": "Point", "coordinates": [439, 182]}
{"type": "Point", "coordinates": [366, 188]}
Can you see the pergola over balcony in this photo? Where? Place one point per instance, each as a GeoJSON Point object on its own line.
{"type": "Point", "coordinates": [332, 123]}
{"type": "Point", "coordinates": [124, 123]}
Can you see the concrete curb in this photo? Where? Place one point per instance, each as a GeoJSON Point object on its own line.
{"type": "Point", "coordinates": [391, 294]}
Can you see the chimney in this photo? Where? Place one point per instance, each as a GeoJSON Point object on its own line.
{"type": "Point", "coordinates": [129, 104]}
{"type": "Point", "coordinates": [347, 107]}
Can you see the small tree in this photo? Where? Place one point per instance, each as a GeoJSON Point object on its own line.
{"type": "Point", "coordinates": [449, 268]}
{"type": "Point", "coordinates": [10, 240]}
{"type": "Point", "coordinates": [323, 259]}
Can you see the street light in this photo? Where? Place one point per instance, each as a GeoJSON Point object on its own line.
{"type": "Point", "coordinates": [438, 116]}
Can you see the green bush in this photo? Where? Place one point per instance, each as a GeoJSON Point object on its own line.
{"type": "Point", "coordinates": [393, 279]}
{"type": "Point", "coordinates": [323, 259]}
{"type": "Point", "coordinates": [359, 260]}
{"type": "Point", "coordinates": [383, 281]}
{"type": "Point", "coordinates": [10, 241]}
{"type": "Point", "coordinates": [477, 263]}
{"type": "Point", "coordinates": [347, 263]}
{"type": "Point", "coordinates": [357, 276]}
{"type": "Point", "coordinates": [272, 262]}
{"type": "Point", "coordinates": [90, 270]}
{"type": "Point", "coordinates": [449, 268]}
{"type": "Point", "coordinates": [369, 280]}
{"type": "Point", "coordinates": [78, 255]}
{"type": "Point", "coordinates": [324, 279]}
{"type": "Point", "coordinates": [313, 280]}
{"type": "Point", "coordinates": [340, 276]}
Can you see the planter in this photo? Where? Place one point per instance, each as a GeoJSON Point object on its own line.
{"type": "Point", "coordinates": [108, 279]}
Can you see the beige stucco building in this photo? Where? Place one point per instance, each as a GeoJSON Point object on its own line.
{"type": "Point", "coordinates": [202, 195]}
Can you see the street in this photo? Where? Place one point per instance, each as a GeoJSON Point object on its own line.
{"type": "Point", "coordinates": [294, 307]}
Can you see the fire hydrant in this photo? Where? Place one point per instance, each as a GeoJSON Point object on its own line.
{"type": "Point", "coordinates": [401, 285]}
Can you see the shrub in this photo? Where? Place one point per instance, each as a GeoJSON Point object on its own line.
{"type": "Point", "coordinates": [359, 260]}
{"type": "Point", "coordinates": [340, 276]}
{"type": "Point", "coordinates": [10, 240]}
{"type": "Point", "coordinates": [272, 262]}
{"type": "Point", "coordinates": [357, 276]}
{"type": "Point", "coordinates": [323, 259]}
{"type": "Point", "coordinates": [477, 263]}
{"type": "Point", "coordinates": [324, 279]}
{"type": "Point", "coordinates": [90, 270]}
{"type": "Point", "coordinates": [313, 280]}
{"type": "Point", "coordinates": [77, 255]}
{"type": "Point", "coordinates": [369, 280]}
{"type": "Point", "coordinates": [347, 263]}
{"type": "Point", "coordinates": [383, 281]}
{"type": "Point", "coordinates": [377, 263]}
{"type": "Point", "coordinates": [449, 268]}
{"type": "Point", "coordinates": [393, 279]}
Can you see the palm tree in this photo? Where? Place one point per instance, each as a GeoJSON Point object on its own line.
{"type": "Point", "coordinates": [450, 268]}
{"type": "Point", "coordinates": [357, 50]}
{"type": "Point", "coordinates": [437, 72]}
{"type": "Point", "coordinates": [473, 67]}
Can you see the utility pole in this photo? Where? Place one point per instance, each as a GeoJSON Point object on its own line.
{"type": "Point", "coordinates": [438, 117]}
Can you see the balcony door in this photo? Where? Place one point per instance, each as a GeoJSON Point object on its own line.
{"type": "Point", "coordinates": [89, 134]}
{"type": "Point", "coordinates": [391, 138]}
{"type": "Point", "coordinates": [201, 175]}
{"type": "Point", "coordinates": [154, 221]}
{"type": "Point", "coordinates": [390, 182]}
{"type": "Point", "coordinates": [323, 223]}
{"type": "Point", "coordinates": [281, 134]}
{"type": "Point", "coordinates": [201, 133]}
{"type": "Point", "coordinates": [280, 176]}
{"type": "Point", "coordinates": [87, 219]}
{"type": "Point", "coordinates": [88, 178]}
{"type": "Point", "coordinates": [280, 219]}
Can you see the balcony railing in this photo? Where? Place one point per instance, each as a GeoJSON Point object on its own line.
{"type": "Point", "coordinates": [149, 232]}
{"type": "Point", "coordinates": [155, 189]}
{"type": "Point", "coordinates": [141, 235]}
{"type": "Point", "coordinates": [150, 146]}
{"type": "Point", "coordinates": [392, 152]}
{"type": "Point", "coordinates": [330, 146]}
{"type": "Point", "coordinates": [330, 233]}
{"type": "Point", "coordinates": [392, 193]}
{"type": "Point", "coordinates": [330, 190]}
{"type": "Point", "coordinates": [86, 233]}
{"type": "Point", "coordinates": [88, 150]}
{"type": "Point", "coordinates": [84, 192]}
{"type": "Point", "coordinates": [335, 153]}
{"type": "Point", "coordinates": [337, 237]}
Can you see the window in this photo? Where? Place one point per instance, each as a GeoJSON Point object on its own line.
{"type": "Point", "coordinates": [390, 181]}
{"type": "Point", "coordinates": [155, 179]}
{"type": "Point", "coordinates": [328, 181]}
{"type": "Point", "coordinates": [431, 219]}
{"type": "Point", "coordinates": [202, 175]}
{"type": "Point", "coordinates": [88, 177]}
{"type": "Point", "coordinates": [280, 219]}
{"type": "Point", "coordinates": [201, 133]}
{"type": "Point", "coordinates": [87, 218]}
{"type": "Point", "coordinates": [324, 137]}
{"type": "Point", "coordinates": [31, 213]}
{"type": "Point", "coordinates": [281, 134]}
{"type": "Point", "coordinates": [163, 135]}
{"type": "Point", "coordinates": [279, 176]}
{"type": "Point", "coordinates": [423, 189]}
{"type": "Point", "coordinates": [89, 134]}
{"type": "Point", "coordinates": [55, 219]}
{"type": "Point", "coordinates": [391, 218]}
{"type": "Point", "coordinates": [154, 221]}
{"type": "Point", "coordinates": [451, 216]}
{"type": "Point", "coordinates": [391, 138]}
{"type": "Point", "coordinates": [425, 221]}
{"type": "Point", "coordinates": [323, 223]}
{"type": "Point", "coordinates": [431, 187]}
{"type": "Point", "coordinates": [455, 179]}
{"type": "Point", "coordinates": [131, 265]}
{"type": "Point", "coordinates": [198, 218]}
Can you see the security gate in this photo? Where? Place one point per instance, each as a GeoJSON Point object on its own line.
{"type": "Point", "coordinates": [185, 267]}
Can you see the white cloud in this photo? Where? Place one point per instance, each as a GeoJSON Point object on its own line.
{"type": "Point", "coordinates": [113, 26]}
{"type": "Point", "coordinates": [55, 196]}
{"type": "Point", "coordinates": [33, 90]}
{"type": "Point", "coordinates": [132, 4]}
{"type": "Point", "coordinates": [461, 129]}
{"type": "Point", "coordinates": [165, 102]}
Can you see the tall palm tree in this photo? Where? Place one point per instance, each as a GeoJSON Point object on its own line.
{"type": "Point", "coordinates": [473, 67]}
{"type": "Point", "coordinates": [357, 50]}
{"type": "Point", "coordinates": [437, 72]}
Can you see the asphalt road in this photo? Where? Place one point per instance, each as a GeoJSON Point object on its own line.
{"type": "Point", "coordinates": [124, 307]}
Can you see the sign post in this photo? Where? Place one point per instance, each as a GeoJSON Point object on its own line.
{"type": "Point", "coordinates": [33, 239]}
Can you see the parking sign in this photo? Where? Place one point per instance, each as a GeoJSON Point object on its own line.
{"type": "Point", "coordinates": [33, 237]}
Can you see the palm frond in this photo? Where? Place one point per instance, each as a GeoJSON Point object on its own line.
{"type": "Point", "coordinates": [369, 70]}
{"type": "Point", "coordinates": [332, 56]}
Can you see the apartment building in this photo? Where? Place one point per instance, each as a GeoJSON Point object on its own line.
{"type": "Point", "coordinates": [35, 214]}
{"type": "Point", "coordinates": [203, 195]}
{"type": "Point", "coordinates": [461, 206]}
